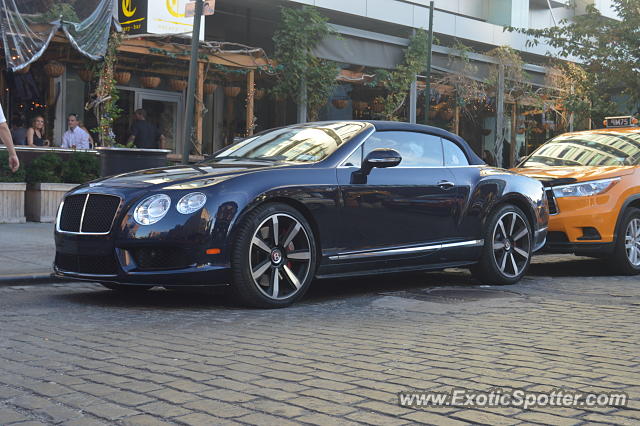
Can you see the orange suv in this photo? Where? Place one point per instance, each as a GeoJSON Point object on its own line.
{"type": "Point", "coordinates": [592, 181]}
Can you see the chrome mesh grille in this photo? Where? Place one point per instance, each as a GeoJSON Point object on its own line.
{"type": "Point", "coordinates": [88, 213]}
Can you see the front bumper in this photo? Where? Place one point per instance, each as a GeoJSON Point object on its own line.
{"type": "Point", "coordinates": [101, 259]}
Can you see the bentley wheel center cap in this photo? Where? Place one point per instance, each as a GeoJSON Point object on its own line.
{"type": "Point", "coordinates": [276, 256]}
{"type": "Point", "coordinates": [507, 245]}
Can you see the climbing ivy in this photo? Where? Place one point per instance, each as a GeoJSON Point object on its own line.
{"type": "Point", "coordinates": [298, 33]}
{"type": "Point", "coordinates": [398, 82]}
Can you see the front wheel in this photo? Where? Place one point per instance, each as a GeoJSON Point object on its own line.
{"type": "Point", "coordinates": [507, 250]}
{"type": "Point", "coordinates": [274, 257]}
{"type": "Point", "coordinates": [625, 259]}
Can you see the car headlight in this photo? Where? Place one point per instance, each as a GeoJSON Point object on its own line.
{"type": "Point", "coordinates": [584, 189]}
{"type": "Point", "coordinates": [152, 209]}
{"type": "Point", "coordinates": [191, 202]}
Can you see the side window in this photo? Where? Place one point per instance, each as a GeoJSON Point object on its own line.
{"type": "Point", "coordinates": [354, 159]}
{"type": "Point", "coordinates": [416, 149]}
{"type": "Point", "coordinates": [453, 155]}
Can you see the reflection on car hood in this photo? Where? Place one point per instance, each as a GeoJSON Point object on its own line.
{"type": "Point", "coordinates": [568, 174]}
{"type": "Point", "coordinates": [171, 176]}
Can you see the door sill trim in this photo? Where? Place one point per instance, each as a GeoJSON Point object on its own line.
{"type": "Point", "coordinates": [404, 250]}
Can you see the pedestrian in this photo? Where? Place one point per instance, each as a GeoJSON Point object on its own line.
{"type": "Point", "coordinates": [18, 131]}
{"type": "Point", "coordinates": [75, 137]}
{"type": "Point", "coordinates": [83, 127]}
{"type": "Point", "coordinates": [144, 134]}
{"type": "Point", "coordinates": [35, 133]}
{"type": "Point", "coordinates": [5, 137]}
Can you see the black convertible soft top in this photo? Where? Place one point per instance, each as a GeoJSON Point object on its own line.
{"type": "Point", "coordinates": [408, 127]}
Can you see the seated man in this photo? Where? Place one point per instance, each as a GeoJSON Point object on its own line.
{"type": "Point", "coordinates": [75, 137]}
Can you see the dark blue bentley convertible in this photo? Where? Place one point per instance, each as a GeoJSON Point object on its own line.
{"type": "Point", "coordinates": [333, 199]}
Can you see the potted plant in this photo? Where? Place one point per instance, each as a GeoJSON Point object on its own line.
{"type": "Point", "coordinates": [12, 189]}
{"type": "Point", "coordinates": [49, 178]}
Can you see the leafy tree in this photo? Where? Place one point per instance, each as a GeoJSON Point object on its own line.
{"type": "Point", "coordinates": [607, 48]}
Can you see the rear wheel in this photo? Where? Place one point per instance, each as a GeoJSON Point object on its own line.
{"type": "Point", "coordinates": [625, 259]}
{"type": "Point", "coordinates": [507, 250]}
{"type": "Point", "coordinates": [127, 288]}
{"type": "Point", "coordinates": [274, 258]}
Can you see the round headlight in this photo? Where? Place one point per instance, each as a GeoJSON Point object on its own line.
{"type": "Point", "coordinates": [191, 203]}
{"type": "Point", "coordinates": [152, 209]}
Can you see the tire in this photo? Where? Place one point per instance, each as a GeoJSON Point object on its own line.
{"type": "Point", "coordinates": [625, 259]}
{"type": "Point", "coordinates": [507, 250]}
{"type": "Point", "coordinates": [127, 288]}
{"type": "Point", "coordinates": [273, 259]}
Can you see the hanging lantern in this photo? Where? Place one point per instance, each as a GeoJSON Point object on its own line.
{"type": "Point", "coordinates": [54, 69]}
{"type": "Point", "coordinates": [210, 88]}
{"type": "Point", "coordinates": [85, 75]}
{"type": "Point", "coordinates": [177, 85]}
{"type": "Point", "coordinates": [232, 91]}
{"type": "Point", "coordinates": [150, 82]}
{"type": "Point", "coordinates": [122, 77]}
{"type": "Point", "coordinates": [340, 103]}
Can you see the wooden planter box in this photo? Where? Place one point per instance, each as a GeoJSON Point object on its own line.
{"type": "Point", "coordinates": [43, 199]}
{"type": "Point", "coordinates": [12, 202]}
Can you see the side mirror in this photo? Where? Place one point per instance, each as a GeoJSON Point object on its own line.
{"type": "Point", "coordinates": [381, 158]}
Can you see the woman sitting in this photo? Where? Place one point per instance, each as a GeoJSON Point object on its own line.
{"type": "Point", "coordinates": [35, 133]}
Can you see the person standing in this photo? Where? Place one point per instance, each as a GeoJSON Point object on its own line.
{"type": "Point", "coordinates": [35, 134]}
{"type": "Point", "coordinates": [144, 134]}
{"type": "Point", "coordinates": [75, 137]}
{"type": "Point", "coordinates": [5, 137]}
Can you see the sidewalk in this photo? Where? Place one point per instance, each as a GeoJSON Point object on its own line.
{"type": "Point", "coordinates": [26, 252]}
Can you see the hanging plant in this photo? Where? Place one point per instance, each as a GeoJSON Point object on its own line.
{"type": "Point", "coordinates": [150, 82]}
{"type": "Point", "coordinates": [122, 77]}
{"type": "Point", "coordinates": [340, 103]}
{"type": "Point", "coordinates": [299, 32]}
{"type": "Point", "coordinates": [177, 85]}
{"type": "Point", "coordinates": [210, 88]}
{"type": "Point", "coordinates": [54, 69]}
{"type": "Point", "coordinates": [86, 74]}
{"type": "Point", "coordinates": [232, 91]}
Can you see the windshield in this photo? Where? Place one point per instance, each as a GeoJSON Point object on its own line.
{"type": "Point", "coordinates": [591, 149]}
{"type": "Point", "coordinates": [297, 144]}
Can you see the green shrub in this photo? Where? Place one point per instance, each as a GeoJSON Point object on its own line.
{"type": "Point", "coordinates": [6, 175]}
{"type": "Point", "coordinates": [80, 168]}
{"type": "Point", "coordinates": [46, 168]}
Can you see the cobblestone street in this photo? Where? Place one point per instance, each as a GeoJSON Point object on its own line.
{"type": "Point", "coordinates": [80, 354]}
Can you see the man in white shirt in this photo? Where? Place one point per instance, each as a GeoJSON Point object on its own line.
{"type": "Point", "coordinates": [5, 136]}
{"type": "Point", "coordinates": [75, 137]}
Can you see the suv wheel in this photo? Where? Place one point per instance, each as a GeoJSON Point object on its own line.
{"type": "Point", "coordinates": [626, 253]}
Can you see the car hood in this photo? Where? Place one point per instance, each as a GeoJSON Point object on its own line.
{"type": "Point", "coordinates": [568, 174]}
{"type": "Point", "coordinates": [172, 176]}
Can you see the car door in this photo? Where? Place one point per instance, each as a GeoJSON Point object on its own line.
{"type": "Point", "coordinates": [412, 204]}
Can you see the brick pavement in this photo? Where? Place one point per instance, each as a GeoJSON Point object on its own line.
{"type": "Point", "coordinates": [76, 354]}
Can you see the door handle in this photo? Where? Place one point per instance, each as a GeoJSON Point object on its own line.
{"type": "Point", "coordinates": [445, 184]}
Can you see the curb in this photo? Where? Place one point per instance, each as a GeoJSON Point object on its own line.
{"type": "Point", "coordinates": [27, 279]}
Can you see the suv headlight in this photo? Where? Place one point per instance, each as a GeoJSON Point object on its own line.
{"type": "Point", "coordinates": [584, 189]}
{"type": "Point", "coordinates": [191, 202]}
{"type": "Point", "coordinates": [152, 209]}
